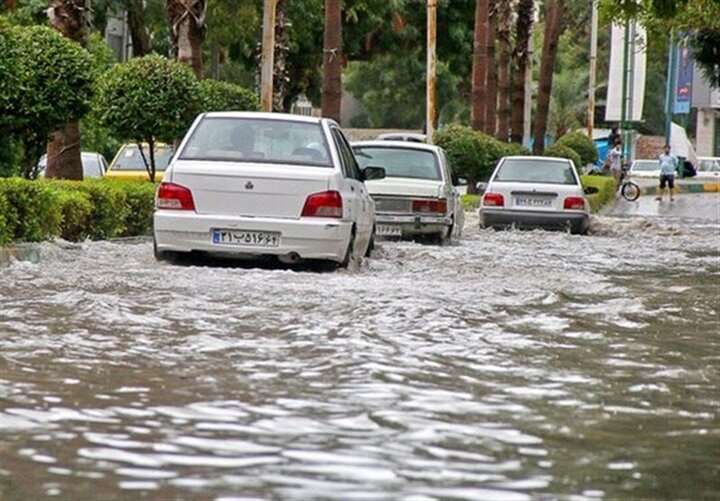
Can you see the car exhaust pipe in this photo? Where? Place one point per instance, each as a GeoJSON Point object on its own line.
{"type": "Point", "coordinates": [291, 258]}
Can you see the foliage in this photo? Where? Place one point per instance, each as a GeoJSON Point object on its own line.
{"type": "Point", "coordinates": [606, 190]}
{"type": "Point", "coordinates": [10, 156]}
{"type": "Point", "coordinates": [471, 154]}
{"type": "Point", "coordinates": [568, 101]}
{"type": "Point", "coordinates": [582, 145]}
{"type": "Point", "coordinates": [32, 211]}
{"type": "Point", "coordinates": [560, 151]}
{"type": "Point", "coordinates": [148, 99]}
{"type": "Point", "coordinates": [9, 74]}
{"type": "Point", "coordinates": [470, 202]}
{"type": "Point", "coordinates": [513, 150]}
{"type": "Point", "coordinates": [224, 96]}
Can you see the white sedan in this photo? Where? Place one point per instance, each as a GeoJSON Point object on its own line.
{"type": "Point", "coordinates": [265, 184]}
{"type": "Point", "coordinates": [417, 196]}
{"type": "Point", "coordinates": [645, 168]}
{"type": "Point", "coordinates": [535, 192]}
{"type": "Point", "coordinates": [708, 168]}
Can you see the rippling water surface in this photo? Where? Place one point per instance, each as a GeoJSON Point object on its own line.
{"type": "Point", "coordinates": [511, 365]}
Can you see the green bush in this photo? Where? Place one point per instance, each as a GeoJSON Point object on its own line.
{"type": "Point", "coordinates": [139, 201]}
{"type": "Point", "coordinates": [32, 215]}
{"type": "Point", "coordinates": [76, 210]}
{"type": "Point", "coordinates": [606, 190]}
{"type": "Point", "coordinates": [560, 151]}
{"type": "Point", "coordinates": [514, 150]}
{"type": "Point", "coordinates": [5, 235]}
{"type": "Point", "coordinates": [109, 203]}
{"type": "Point", "coordinates": [582, 145]}
{"type": "Point", "coordinates": [471, 154]}
{"type": "Point", "coordinates": [224, 96]}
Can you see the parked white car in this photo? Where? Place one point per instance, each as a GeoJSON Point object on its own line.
{"type": "Point", "coordinates": [645, 168]}
{"type": "Point", "coordinates": [535, 192]}
{"type": "Point", "coordinates": [708, 168]}
{"type": "Point", "coordinates": [93, 164]}
{"type": "Point", "coordinates": [265, 184]}
{"type": "Point", "coordinates": [413, 137]}
{"type": "Point", "coordinates": [417, 195]}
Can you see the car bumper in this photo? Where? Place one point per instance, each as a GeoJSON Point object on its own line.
{"type": "Point", "coordinates": [309, 238]}
{"type": "Point", "coordinates": [577, 222]}
{"type": "Point", "coordinates": [413, 224]}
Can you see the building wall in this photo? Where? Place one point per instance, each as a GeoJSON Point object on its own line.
{"type": "Point", "coordinates": [706, 132]}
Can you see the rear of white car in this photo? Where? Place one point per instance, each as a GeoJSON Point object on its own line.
{"type": "Point", "coordinates": [417, 196]}
{"type": "Point", "coordinates": [248, 184]}
{"type": "Point", "coordinates": [535, 192]}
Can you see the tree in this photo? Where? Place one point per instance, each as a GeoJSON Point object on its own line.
{"type": "Point", "coordinates": [71, 18]}
{"type": "Point", "coordinates": [480, 65]}
{"type": "Point", "coordinates": [332, 61]}
{"type": "Point", "coordinates": [146, 100]}
{"type": "Point", "coordinates": [521, 61]}
{"type": "Point", "coordinates": [504, 15]}
{"type": "Point", "coordinates": [553, 27]}
{"type": "Point", "coordinates": [52, 86]}
{"type": "Point", "coordinates": [187, 29]}
{"type": "Point", "coordinates": [136, 24]}
{"type": "Point", "coordinates": [224, 96]}
{"type": "Point", "coordinates": [492, 75]}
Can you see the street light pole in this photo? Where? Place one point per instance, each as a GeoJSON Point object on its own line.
{"type": "Point", "coordinates": [430, 109]}
{"type": "Point", "coordinates": [669, 90]}
{"type": "Point", "coordinates": [593, 69]}
{"type": "Point", "coordinates": [268, 55]}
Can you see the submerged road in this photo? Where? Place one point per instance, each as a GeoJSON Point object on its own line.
{"type": "Point", "coordinates": [687, 207]}
{"type": "Point", "coordinates": [510, 365]}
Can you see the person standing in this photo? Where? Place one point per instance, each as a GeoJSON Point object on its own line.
{"type": "Point", "coordinates": [614, 137]}
{"type": "Point", "coordinates": [668, 167]}
{"type": "Point", "coordinates": [615, 161]}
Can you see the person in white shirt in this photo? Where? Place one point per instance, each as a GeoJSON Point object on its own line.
{"type": "Point", "coordinates": [668, 167]}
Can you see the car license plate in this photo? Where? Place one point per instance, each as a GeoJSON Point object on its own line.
{"type": "Point", "coordinates": [244, 237]}
{"type": "Point", "coordinates": [389, 230]}
{"type": "Point", "coordinates": [533, 201]}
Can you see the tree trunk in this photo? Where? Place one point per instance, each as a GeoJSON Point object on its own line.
{"type": "Point", "coordinates": [72, 19]}
{"type": "Point", "coordinates": [281, 76]}
{"type": "Point", "coordinates": [332, 61]}
{"type": "Point", "coordinates": [10, 5]}
{"type": "Point", "coordinates": [136, 24]}
{"type": "Point", "coordinates": [479, 71]}
{"type": "Point", "coordinates": [187, 29]}
{"type": "Point", "coordinates": [523, 31]}
{"type": "Point", "coordinates": [215, 60]}
{"type": "Point", "coordinates": [504, 22]}
{"type": "Point", "coordinates": [553, 27]}
{"type": "Point", "coordinates": [492, 76]}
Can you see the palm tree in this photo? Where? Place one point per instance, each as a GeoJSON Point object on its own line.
{"type": "Point", "coordinates": [521, 60]}
{"type": "Point", "coordinates": [187, 29]}
{"type": "Point", "coordinates": [504, 15]}
{"type": "Point", "coordinates": [332, 61]}
{"type": "Point", "coordinates": [554, 13]}
{"type": "Point", "coordinates": [136, 25]}
{"type": "Point", "coordinates": [568, 101]}
{"type": "Point", "coordinates": [72, 19]}
{"type": "Point", "coordinates": [492, 76]}
{"type": "Point", "coordinates": [480, 66]}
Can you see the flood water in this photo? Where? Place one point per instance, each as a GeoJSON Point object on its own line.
{"type": "Point", "coordinates": [510, 365]}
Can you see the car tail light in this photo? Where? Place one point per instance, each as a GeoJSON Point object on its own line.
{"type": "Point", "coordinates": [175, 197]}
{"type": "Point", "coordinates": [428, 206]}
{"type": "Point", "coordinates": [494, 200]}
{"type": "Point", "coordinates": [574, 203]}
{"type": "Point", "coordinates": [325, 204]}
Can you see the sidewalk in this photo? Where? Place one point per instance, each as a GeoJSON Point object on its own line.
{"type": "Point", "coordinates": [649, 186]}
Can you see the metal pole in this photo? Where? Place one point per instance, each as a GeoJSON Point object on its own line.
{"type": "Point", "coordinates": [623, 104]}
{"type": "Point", "coordinates": [670, 88]}
{"type": "Point", "coordinates": [430, 111]}
{"type": "Point", "coordinates": [268, 55]}
{"type": "Point", "coordinates": [593, 69]}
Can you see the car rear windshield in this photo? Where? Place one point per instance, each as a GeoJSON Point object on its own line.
{"type": "Point", "coordinates": [646, 166]}
{"type": "Point", "coordinates": [399, 162]}
{"type": "Point", "coordinates": [535, 171]}
{"type": "Point", "coordinates": [129, 158]}
{"type": "Point", "coordinates": [259, 141]}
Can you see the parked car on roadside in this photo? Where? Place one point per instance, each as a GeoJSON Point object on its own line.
{"type": "Point", "coordinates": [128, 162]}
{"type": "Point", "coordinates": [535, 192]}
{"type": "Point", "coordinates": [645, 168]}
{"type": "Point", "coordinates": [253, 185]}
{"type": "Point", "coordinates": [708, 168]}
{"type": "Point", "coordinates": [412, 137]}
{"type": "Point", "coordinates": [94, 164]}
{"type": "Point", "coordinates": [417, 196]}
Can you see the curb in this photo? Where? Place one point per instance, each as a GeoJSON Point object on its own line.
{"type": "Point", "coordinates": [684, 188]}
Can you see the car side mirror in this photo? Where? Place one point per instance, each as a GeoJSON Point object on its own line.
{"type": "Point", "coordinates": [373, 173]}
{"type": "Point", "coordinates": [590, 190]}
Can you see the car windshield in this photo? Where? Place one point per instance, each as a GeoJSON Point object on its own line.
{"type": "Point", "coordinates": [400, 162]}
{"type": "Point", "coordinates": [709, 165]}
{"type": "Point", "coordinates": [525, 170]}
{"type": "Point", "coordinates": [91, 165]}
{"type": "Point", "coordinates": [129, 158]}
{"type": "Point", "coordinates": [259, 141]}
{"type": "Point", "coordinates": [646, 165]}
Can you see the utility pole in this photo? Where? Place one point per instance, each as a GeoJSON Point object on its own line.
{"type": "Point", "coordinates": [268, 55]}
{"type": "Point", "coordinates": [669, 90]}
{"type": "Point", "coordinates": [430, 106]}
{"type": "Point", "coordinates": [625, 90]}
{"type": "Point", "coordinates": [527, 111]}
{"type": "Point", "coordinates": [593, 69]}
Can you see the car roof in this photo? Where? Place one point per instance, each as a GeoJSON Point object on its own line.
{"type": "Point", "coordinates": [407, 145]}
{"type": "Point", "coordinates": [537, 157]}
{"type": "Point", "coordinates": [266, 116]}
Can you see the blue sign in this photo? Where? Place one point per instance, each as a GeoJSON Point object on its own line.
{"type": "Point", "coordinates": [683, 78]}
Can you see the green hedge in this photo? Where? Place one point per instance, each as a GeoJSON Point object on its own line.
{"type": "Point", "coordinates": [606, 190]}
{"type": "Point", "coordinates": [581, 144]}
{"type": "Point", "coordinates": [32, 211]}
{"type": "Point", "coordinates": [560, 151]}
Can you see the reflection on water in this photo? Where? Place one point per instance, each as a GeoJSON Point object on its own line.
{"type": "Point", "coordinates": [512, 365]}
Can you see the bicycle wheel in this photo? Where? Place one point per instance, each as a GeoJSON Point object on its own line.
{"type": "Point", "coordinates": [630, 191]}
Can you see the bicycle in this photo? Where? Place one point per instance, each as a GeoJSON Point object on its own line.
{"type": "Point", "coordinates": [628, 188]}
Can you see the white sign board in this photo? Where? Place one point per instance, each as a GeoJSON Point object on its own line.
{"type": "Point", "coordinates": [635, 76]}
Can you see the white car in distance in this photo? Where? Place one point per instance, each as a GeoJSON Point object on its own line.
{"type": "Point", "coordinates": [645, 168]}
{"type": "Point", "coordinates": [535, 192]}
{"type": "Point", "coordinates": [265, 184]}
{"type": "Point", "coordinates": [708, 168]}
{"type": "Point", "coordinates": [417, 197]}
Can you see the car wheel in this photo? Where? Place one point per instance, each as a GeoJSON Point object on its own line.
{"type": "Point", "coordinates": [168, 256]}
{"type": "Point", "coordinates": [447, 236]}
{"type": "Point", "coordinates": [348, 254]}
{"type": "Point", "coordinates": [371, 244]}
